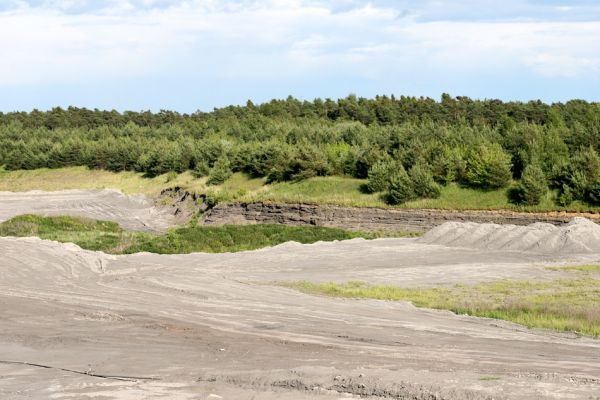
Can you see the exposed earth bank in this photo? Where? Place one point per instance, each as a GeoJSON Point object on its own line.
{"type": "Point", "coordinates": [371, 219]}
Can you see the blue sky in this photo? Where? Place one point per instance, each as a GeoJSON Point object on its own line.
{"type": "Point", "coordinates": [200, 54]}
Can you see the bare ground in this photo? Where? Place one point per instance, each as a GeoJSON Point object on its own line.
{"type": "Point", "coordinates": [82, 325]}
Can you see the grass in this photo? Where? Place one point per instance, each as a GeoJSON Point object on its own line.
{"type": "Point", "coordinates": [584, 268]}
{"type": "Point", "coordinates": [84, 178]}
{"type": "Point", "coordinates": [568, 305]}
{"type": "Point", "coordinates": [581, 269]}
{"type": "Point", "coordinates": [110, 238]}
{"type": "Point", "coordinates": [337, 190]}
{"type": "Point", "coordinates": [87, 233]}
{"type": "Point", "coordinates": [489, 378]}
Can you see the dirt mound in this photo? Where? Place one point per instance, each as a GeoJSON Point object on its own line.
{"type": "Point", "coordinates": [578, 236]}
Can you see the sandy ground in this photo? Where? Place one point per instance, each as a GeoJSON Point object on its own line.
{"type": "Point", "coordinates": [82, 325]}
{"type": "Point", "coordinates": [131, 212]}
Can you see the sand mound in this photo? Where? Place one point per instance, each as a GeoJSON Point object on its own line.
{"type": "Point", "coordinates": [578, 236]}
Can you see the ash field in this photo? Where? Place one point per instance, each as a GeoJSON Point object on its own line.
{"type": "Point", "coordinates": [77, 324]}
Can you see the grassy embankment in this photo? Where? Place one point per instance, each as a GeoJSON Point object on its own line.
{"type": "Point", "coordinates": [568, 305]}
{"type": "Point", "coordinates": [321, 190]}
{"type": "Point", "coordinates": [110, 238]}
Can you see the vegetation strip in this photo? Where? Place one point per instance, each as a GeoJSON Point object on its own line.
{"type": "Point", "coordinates": [402, 149]}
{"type": "Point", "coordinates": [109, 237]}
{"type": "Point", "coordinates": [568, 305]}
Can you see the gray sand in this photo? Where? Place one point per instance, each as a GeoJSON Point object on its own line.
{"type": "Point", "coordinates": [76, 324]}
{"type": "Point", "coordinates": [209, 326]}
{"type": "Point", "coordinates": [579, 236]}
{"type": "Point", "coordinates": [132, 212]}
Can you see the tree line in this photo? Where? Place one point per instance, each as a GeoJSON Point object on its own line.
{"type": "Point", "coordinates": [406, 147]}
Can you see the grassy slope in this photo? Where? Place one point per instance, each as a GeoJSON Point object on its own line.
{"type": "Point", "coordinates": [323, 190]}
{"type": "Point", "coordinates": [110, 238]}
{"type": "Point", "coordinates": [571, 305]}
{"type": "Point", "coordinates": [84, 178]}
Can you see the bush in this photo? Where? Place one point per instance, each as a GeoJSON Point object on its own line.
{"type": "Point", "coordinates": [488, 167]}
{"type": "Point", "coordinates": [400, 189]}
{"type": "Point", "coordinates": [533, 186]}
{"type": "Point", "coordinates": [220, 172]}
{"type": "Point", "coordinates": [379, 176]}
{"type": "Point", "coordinates": [592, 193]}
{"type": "Point", "coordinates": [565, 196]}
{"type": "Point", "coordinates": [200, 169]}
{"type": "Point", "coordinates": [423, 184]}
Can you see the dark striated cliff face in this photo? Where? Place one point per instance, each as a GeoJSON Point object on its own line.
{"type": "Point", "coordinates": [368, 219]}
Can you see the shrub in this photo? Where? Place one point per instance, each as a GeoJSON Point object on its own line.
{"type": "Point", "coordinates": [533, 186]}
{"type": "Point", "coordinates": [423, 184]}
{"type": "Point", "coordinates": [212, 198]}
{"type": "Point", "coordinates": [400, 189]}
{"type": "Point", "coordinates": [379, 176]}
{"type": "Point", "coordinates": [592, 193]}
{"type": "Point", "coordinates": [220, 172]}
{"type": "Point", "coordinates": [565, 196]}
{"type": "Point", "coordinates": [488, 167]}
{"type": "Point", "coordinates": [200, 169]}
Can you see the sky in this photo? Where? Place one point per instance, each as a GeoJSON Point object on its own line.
{"type": "Point", "coordinates": [200, 54]}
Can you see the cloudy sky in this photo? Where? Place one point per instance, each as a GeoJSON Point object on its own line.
{"type": "Point", "coordinates": [200, 54]}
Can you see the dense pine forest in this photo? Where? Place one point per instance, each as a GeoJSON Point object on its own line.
{"type": "Point", "coordinates": [406, 147]}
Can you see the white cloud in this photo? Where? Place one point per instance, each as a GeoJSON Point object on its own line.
{"type": "Point", "coordinates": [227, 39]}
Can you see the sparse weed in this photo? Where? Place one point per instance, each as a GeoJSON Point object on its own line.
{"type": "Point", "coordinates": [570, 305]}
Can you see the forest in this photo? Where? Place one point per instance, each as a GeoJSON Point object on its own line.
{"type": "Point", "coordinates": [406, 148]}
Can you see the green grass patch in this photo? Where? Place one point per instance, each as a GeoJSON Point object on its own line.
{"type": "Point", "coordinates": [568, 305]}
{"type": "Point", "coordinates": [110, 238]}
{"type": "Point", "coordinates": [347, 191]}
{"type": "Point", "coordinates": [489, 378]}
{"type": "Point", "coordinates": [320, 190]}
{"type": "Point", "coordinates": [231, 238]}
{"type": "Point", "coordinates": [85, 178]}
{"type": "Point", "coordinates": [87, 233]}
{"type": "Point", "coordinates": [583, 268]}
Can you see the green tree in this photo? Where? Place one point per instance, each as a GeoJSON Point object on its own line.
{"type": "Point", "coordinates": [533, 186]}
{"type": "Point", "coordinates": [488, 167]}
{"type": "Point", "coordinates": [220, 172]}
{"type": "Point", "coordinates": [400, 189]}
{"type": "Point", "coordinates": [379, 176]}
{"type": "Point", "coordinates": [200, 169]}
{"type": "Point", "coordinates": [423, 184]}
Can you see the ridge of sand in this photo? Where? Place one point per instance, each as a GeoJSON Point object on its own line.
{"type": "Point", "coordinates": [580, 236]}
